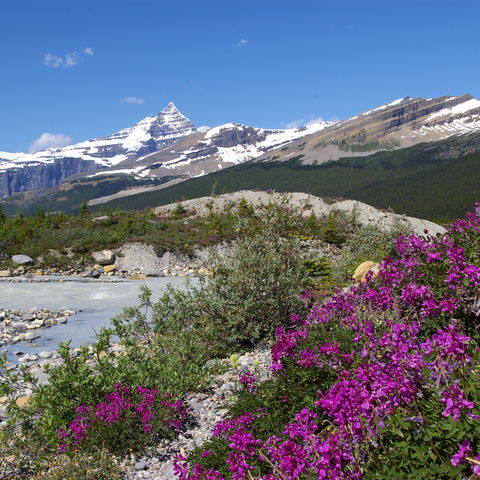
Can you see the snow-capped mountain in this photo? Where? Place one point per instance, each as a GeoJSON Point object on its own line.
{"type": "Point", "coordinates": [401, 123]}
{"type": "Point", "coordinates": [148, 135]}
{"type": "Point", "coordinates": [212, 150]}
{"type": "Point", "coordinates": [167, 146]}
{"type": "Point", "coordinates": [47, 168]}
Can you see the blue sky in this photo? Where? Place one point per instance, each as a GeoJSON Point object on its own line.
{"type": "Point", "coordinates": [79, 69]}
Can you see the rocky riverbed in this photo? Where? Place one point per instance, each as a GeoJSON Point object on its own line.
{"type": "Point", "coordinates": [22, 325]}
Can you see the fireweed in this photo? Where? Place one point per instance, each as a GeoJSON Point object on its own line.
{"type": "Point", "coordinates": [128, 419]}
{"type": "Point", "coordinates": [413, 373]}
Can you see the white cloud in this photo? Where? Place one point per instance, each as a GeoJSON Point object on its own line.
{"type": "Point", "coordinates": [303, 122]}
{"type": "Point", "coordinates": [49, 140]}
{"type": "Point", "coordinates": [134, 100]}
{"type": "Point", "coordinates": [71, 59]}
{"type": "Point", "coordinates": [295, 124]}
{"type": "Point", "coordinates": [203, 128]}
{"type": "Point", "coordinates": [66, 61]}
{"type": "Point", "coordinates": [242, 43]}
{"type": "Point", "coordinates": [52, 60]}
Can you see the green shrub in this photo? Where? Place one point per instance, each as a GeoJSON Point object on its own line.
{"type": "Point", "coordinates": [95, 465]}
{"type": "Point", "coordinates": [368, 242]}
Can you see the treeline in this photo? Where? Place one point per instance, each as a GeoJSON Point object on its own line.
{"type": "Point", "coordinates": [438, 181]}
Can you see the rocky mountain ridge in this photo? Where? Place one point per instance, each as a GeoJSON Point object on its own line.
{"type": "Point", "coordinates": [167, 147]}
{"type": "Point", "coordinates": [398, 124]}
{"type": "Point", "coordinates": [48, 168]}
{"type": "Point", "coordinates": [212, 150]}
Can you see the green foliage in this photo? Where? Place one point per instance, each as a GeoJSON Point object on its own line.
{"type": "Point", "coordinates": [330, 233]}
{"type": "Point", "coordinates": [73, 237]}
{"type": "Point", "coordinates": [156, 344]}
{"type": "Point", "coordinates": [437, 180]}
{"type": "Point", "coordinates": [255, 288]}
{"type": "Point", "coordinates": [95, 465]}
{"type": "Point", "coordinates": [84, 209]}
{"type": "Point", "coordinates": [368, 242]}
{"type": "Point", "coordinates": [179, 212]}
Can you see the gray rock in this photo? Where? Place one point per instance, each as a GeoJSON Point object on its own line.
{"type": "Point", "coordinates": [91, 274]}
{"type": "Point", "coordinates": [22, 259]}
{"type": "Point", "coordinates": [104, 257]}
{"type": "Point", "coordinates": [29, 357]}
{"type": "Point", "coordinates": [30, 336]}
{"type": "Point", "coordinates": [140, 465]}
{"type": "Point", "coordinates": [137, 257]}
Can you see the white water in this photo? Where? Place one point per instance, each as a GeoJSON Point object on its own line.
{"type": "Point", "coordinates": [95, 302]}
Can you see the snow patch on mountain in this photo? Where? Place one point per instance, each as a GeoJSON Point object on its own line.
{"type": "Point", "coordinates": [463, 107]}
{"type": "Point", "coordinates": [150, 134]}
{"type": "Point", "coordinates": [242, 152]}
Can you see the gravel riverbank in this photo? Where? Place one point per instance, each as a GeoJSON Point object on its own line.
{"type": "Point", "coordinates": [22, 325]}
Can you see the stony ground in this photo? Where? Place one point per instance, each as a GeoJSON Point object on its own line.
{"type": "Point", "coordinates": [207, 408]}
{"type": "Point", "coordinates": [20, 325]}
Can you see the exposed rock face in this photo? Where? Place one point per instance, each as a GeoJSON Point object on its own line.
{"type": "Point", "coordinates": [47, 168]}
{"type": "Point", "coordinates": [42, 175]}
{"type": "Point", "coordinates": [217, 148]}
{"type": "Point", "coordinates": [104, 257]}
{"type": "Point", "coordinates": [401, 123]}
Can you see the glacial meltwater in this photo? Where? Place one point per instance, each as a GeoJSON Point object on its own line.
{"type": "Point", "coordinates": [95, 303]}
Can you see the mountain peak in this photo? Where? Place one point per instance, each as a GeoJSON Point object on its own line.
{"type": "Point", "coordinates": [170, 108]}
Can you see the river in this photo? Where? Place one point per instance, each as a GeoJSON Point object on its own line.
{"type": "Point", "coordinates": [95, 301]}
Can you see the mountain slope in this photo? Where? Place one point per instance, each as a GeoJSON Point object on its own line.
{"type": "Point", "coordinates": [398, 124]}
{"type": "Point", "coordinates": [47, 168]}
{"type": "Point", "coordinates": [211, 150]}
{"type": "Point", "coordinates": [435, 180]}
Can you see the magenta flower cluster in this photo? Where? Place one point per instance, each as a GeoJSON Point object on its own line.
{"type": "Point", "coordinates": [249, 381]}
{"type": "Point", "coordinates": [399, 359]}
{"type": "Point", "coordinates": [143, 410]}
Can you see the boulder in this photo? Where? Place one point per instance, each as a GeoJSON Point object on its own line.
{"type": "Point", "coordinates": [109, 268]}
{"type": "Point", "coordinates": [360, 274]}
{"type": "Point", "coordinates": [5, 273]}
{"type": "Point", "coordinates": [91, 274]}
{"type": "Point", "coordinates": [138, 258]}
{"type": "Point", "coordinates": [22, 259]}
{"type": "Point", "coordinates": [104, 257]}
